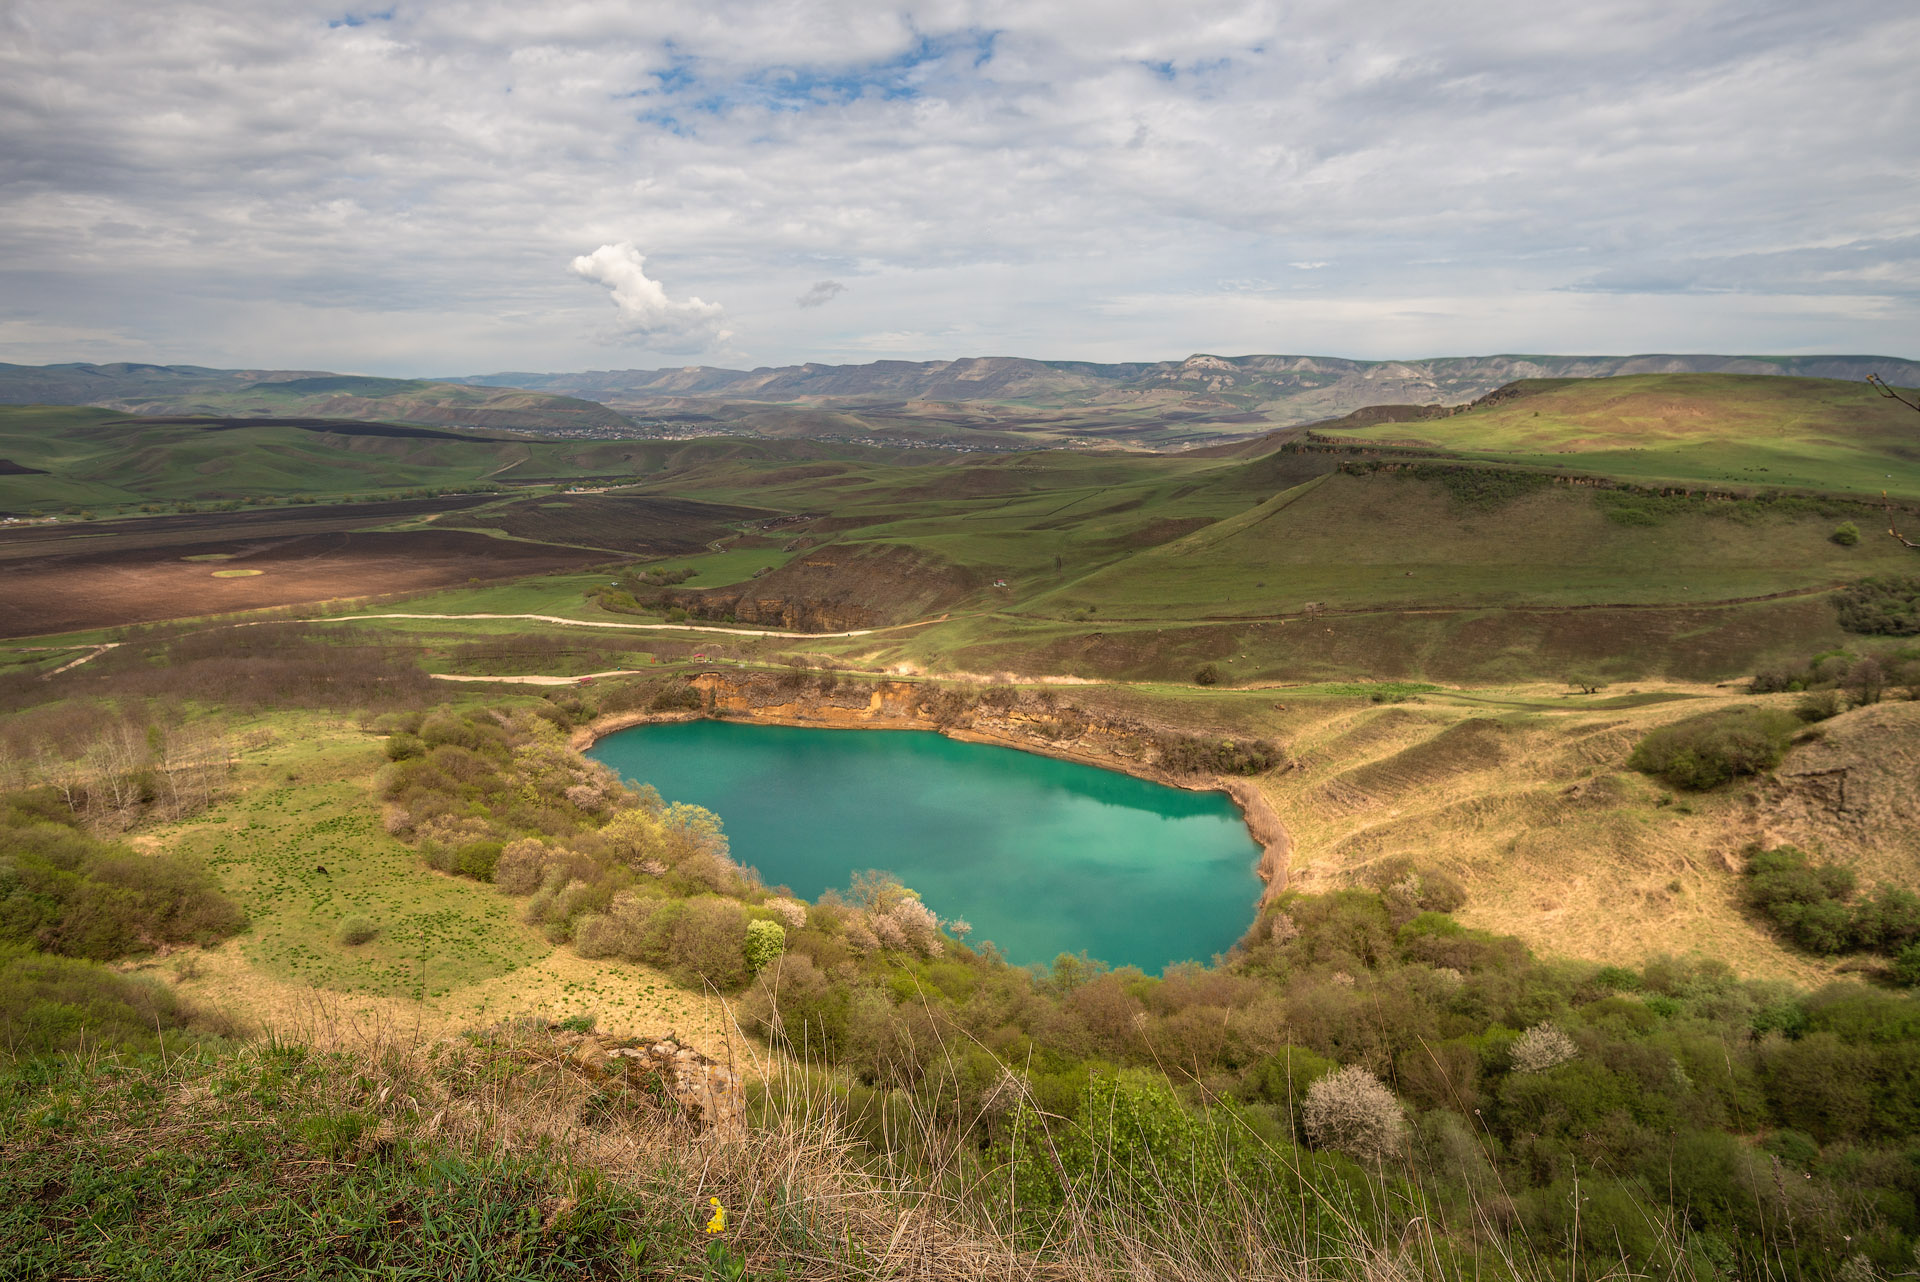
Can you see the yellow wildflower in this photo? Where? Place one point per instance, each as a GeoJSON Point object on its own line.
{"type": "Point", "coordinates": [718, 1223]}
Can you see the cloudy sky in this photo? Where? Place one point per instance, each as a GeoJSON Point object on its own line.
{"type": "Point", "coordinates": [457, 186]}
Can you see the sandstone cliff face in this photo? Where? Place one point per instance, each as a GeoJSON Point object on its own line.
{"type": "Point", "coordinates": [1026, 721]}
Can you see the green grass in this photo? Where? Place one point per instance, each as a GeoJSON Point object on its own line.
{"type": "Point", "coordinates": [36, 661]}
{"type": "Point", "coordinates": [97, 457]}
{"type": "Point", "coordinates": [1388, 540]}
{"type": "Point", "coordinates": [436, 933]}
{"type": "Point", "coordinates": [1723, 430]}
{"type": "Point", "coordinates": [717, 569]}
{"type": "Point", "coordinates": [267, 1163]}
{"type": "Point", "coordinates": [1140, 565]}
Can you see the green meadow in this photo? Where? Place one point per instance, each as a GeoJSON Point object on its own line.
{"type": "Point", "coordinates": [1720, 430]}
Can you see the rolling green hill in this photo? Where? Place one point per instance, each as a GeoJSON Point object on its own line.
{"type": "Point", "coordinates": [1721, 430]}
{"type": "Point", "coordinates": [1559, 519]}
{"type": "Point", "coordinates": [68, 455]}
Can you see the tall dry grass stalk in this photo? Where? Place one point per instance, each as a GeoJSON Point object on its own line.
{"type": "Point", "coordinates": [923, 1198]}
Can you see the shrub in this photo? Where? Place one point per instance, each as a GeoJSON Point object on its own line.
{"type": "Point", "coordinates": [1887, 606]}
{"type": "Point", "coordinates": [50, 1004]}
{"type": "Point", "coordinates": [1207, 674]}
{"type": "Point", "coordinates": [1285, 1077]}
{"type": "Point", "coordinates": [915, 924]}
{"type": "Point", "coordinates": [1710, 750]}
{"type": "Point", "coordinates": [1818, 705]}
{"type": "Point", "coordinates": [1846, 534]}
{"type": "Point", "coordinates": [401, 746]}
{"type": "Point", "coordinates": [521, 866]}
{"type": "Point", "coordinates": [477, 859]}
{"type": "Point", "coordinates": [1540, 1048]}
{"type": "Point", "coordinates": [65, 892]}
{"type": "Point", "coordinates": [708, 945]}
{"type": "Point", "coordinates": [678, 697]}
{"type": "Point", "coordinates": [1350, 1111]}
{"type": "Point", "coordinates": [791, 911]}
{"type": "Point", "coordinates": [766, 940]}
{"type": "Point", "coordinates": [1906, 967]}
{"type": "Point", "coordinates": [1408, 891]}
{"type": "Point", "coordinates": [1810, 904]}
{"type": "Point", "coordinates": [355, 931]}
{"type": "Point", "coordinates": [1866, 681]}
{"type": "Point", "coordinates": [1190, 754]}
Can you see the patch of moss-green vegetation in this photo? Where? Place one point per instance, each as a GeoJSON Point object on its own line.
{"type": "Point", "coordinates": [1378, 691]}
{"type": "Point", "coordinates": [303, 858]}
{"type": "Point", "coordinates": [70, 901]}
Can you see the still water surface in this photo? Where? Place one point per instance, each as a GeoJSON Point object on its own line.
{"type": "Point", "coordinates": [1042, 856]}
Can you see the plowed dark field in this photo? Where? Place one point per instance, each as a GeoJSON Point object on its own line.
{"type": "Point", "coordinates": [624, 522]}
{"type": "Point", "coordinates": [23, 541]}
{"type": "Point", "coordinates": [72, 587]}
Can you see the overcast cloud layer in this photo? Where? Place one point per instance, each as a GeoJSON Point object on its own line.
{"type": "Point", "coordinates": [453, 186]}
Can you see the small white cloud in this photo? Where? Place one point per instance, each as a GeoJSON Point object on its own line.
{"type": "Point", "coordinates": [1308, 266]}
{"type": "Point", "coordinates": [646, 313]}
{"type": "Point", "coordinates": [821, 293]}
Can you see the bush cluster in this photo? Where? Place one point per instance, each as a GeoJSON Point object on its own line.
{"type": "Point", "coordinates": [1358, 1034]}
{"type": "Point", "coordinates": [1835, 680]}
{"type": "Point", "coordinates": [1815, 906]}
{"type": "Point", "coordinates": [1715, 748]}
{"type": "Point", "coordinates": [1887, 606]}
{"type": "Point", "coordinates": [1480, 488]}
{"type": "Point", "coordinates": [70, 901]}
{"type": "Point", "coordinates": [64, 891]}
{"type": "Point", "coordinates": [1191, 754]}
{"type": "Point", "coordinates": [617, 872]}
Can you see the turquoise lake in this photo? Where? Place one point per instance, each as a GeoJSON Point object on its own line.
{"type": "Point", "coordinates": [1041, 856]}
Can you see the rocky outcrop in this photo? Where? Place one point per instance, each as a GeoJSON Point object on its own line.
{"type": "Point", "coordinates": [701, 1092]}
{"type": "Point", "coordinates": [1851, 793]}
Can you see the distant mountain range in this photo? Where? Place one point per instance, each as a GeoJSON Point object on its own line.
{"type": "Point", "coordinates": [194, 389]}
{"type": "Point", "coordinates": [984, 402]}
{"type": "Point", "coordinates": [1313, 385]}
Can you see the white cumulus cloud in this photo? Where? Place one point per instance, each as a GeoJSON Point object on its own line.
{"type": "Point", "coordinates": [646, 312]}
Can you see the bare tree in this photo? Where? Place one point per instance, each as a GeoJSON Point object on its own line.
{"type": "Point", "coordinates": [1881, 386]}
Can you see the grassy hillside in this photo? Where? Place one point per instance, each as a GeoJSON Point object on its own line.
{"type": "Point", "coordinates": [97, 458]}
{"type": "Point", "coordinates": [398, 400]}
{"type": "Point", "coordinates": [1497, 561]}
{"type": "Point", "coordinates": [1718, 430]}
{"type": "Point", "coordinates": [924, 1106]}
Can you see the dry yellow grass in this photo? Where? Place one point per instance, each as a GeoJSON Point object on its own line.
{"type": "Point", "coordinates": [1532, 808]}
{"type": "Point", "coordinates": [625, 999]}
